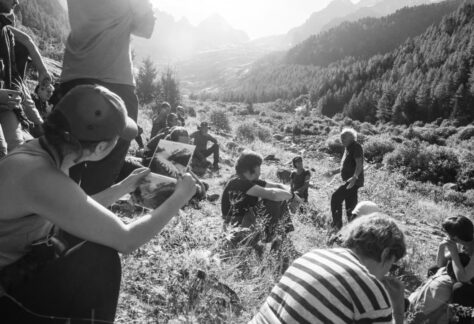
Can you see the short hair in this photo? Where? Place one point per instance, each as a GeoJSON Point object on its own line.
{"type": "Point", "coordinates": [171, 117]}
{"type": "Point", "coordinates": [296, 159]}
{"type": "Point", "coordinates": [177, 132]}
{"type": "Point", "coordinates": [248, 161]}
{"type": "Point", "coordinates": [459, 226]}
{"type": "Point", "coordinates": [349, 131]}
{"type": "Point", "coordinates": [165, 105]}
{"type": "Point", "coordinates": [370, 235]}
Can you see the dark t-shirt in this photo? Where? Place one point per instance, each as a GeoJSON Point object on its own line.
{"type": "Point", "coordinates": [348, 164]}
{"type": "Point", "coordinates": [201, 140]}
{"type": "Point", "coordinates": [298, 180]}
{"type": "Point", "coordinates": [235, 201]}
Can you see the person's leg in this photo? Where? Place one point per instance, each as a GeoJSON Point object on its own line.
{"type": "Point", "coordinates": [463, 294]}
{"type": "Point", "coordinates": [83, 284]}
{"type": "Point", "coordinates": [351, 201]}
{"type": "Point", "coordinates": [337, 199]}
{"type": "Point", "coordinates": [214, 149]}
{"type": "Point", "coordinates": [11, 129]}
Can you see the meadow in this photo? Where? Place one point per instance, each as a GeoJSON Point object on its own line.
{"type": "Point", "coordinates": [188, 274]}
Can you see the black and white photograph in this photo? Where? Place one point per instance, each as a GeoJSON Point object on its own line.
{"type": "Point", "coordinates": [237, 161]}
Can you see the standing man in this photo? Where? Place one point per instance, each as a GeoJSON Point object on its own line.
{"type": "Point", "coordinates": [352, 173]}
{"type": "Point", "coordinates": [201, 137]}
{"type": "Point", "coordinates": [98, 52]}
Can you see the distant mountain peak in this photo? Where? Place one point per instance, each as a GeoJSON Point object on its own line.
{"type": "Point", "coordinates": [215, 20]}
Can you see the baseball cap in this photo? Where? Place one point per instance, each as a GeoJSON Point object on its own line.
{"type": "Point", "coordinates": [95, 113]}
{"type": "Point", "coordinates": [204, 124]}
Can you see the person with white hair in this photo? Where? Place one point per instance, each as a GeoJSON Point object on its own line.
{"type": "Point", "coordinates": [352, 174]}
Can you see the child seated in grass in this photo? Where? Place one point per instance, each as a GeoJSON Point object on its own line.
{"type": "Point", "coordinates": [460, 238]}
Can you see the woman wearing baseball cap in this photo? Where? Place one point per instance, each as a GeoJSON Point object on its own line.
{"type": "Point", "coordinates": [37, 271]}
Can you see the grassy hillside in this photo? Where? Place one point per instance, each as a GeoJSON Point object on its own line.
{"type": "Point", "coordinates": [188, 273]}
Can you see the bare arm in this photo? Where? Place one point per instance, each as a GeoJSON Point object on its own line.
{"type": "Point", "coordinates": [274, 194]}
{"type": "Point", "coordinates": [114, 193]}
{"type": "Point", "coordinates": [143, 18]}
{"type": "Point", "coordinates": [441, 259]}
{"type": "Point", "coordinates": [463, 274]}
{"type": "Point", "coordinates": [67, 206]}
{"type": "Point", "coordinates": [211, 139]}
{"type": "Point", "coordinates": [270, 184]}
{"type": "Point", "coordinates": [35, 55]}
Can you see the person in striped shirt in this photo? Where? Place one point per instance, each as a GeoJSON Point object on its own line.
{"type": "Point", "coordinates": [341, 285]}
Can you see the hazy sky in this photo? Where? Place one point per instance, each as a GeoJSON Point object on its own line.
{"type": "Point", "coordinates": [256, 17]}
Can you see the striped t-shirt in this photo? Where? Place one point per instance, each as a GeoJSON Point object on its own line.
{"type": "Point", "coordinates": [326, 286]}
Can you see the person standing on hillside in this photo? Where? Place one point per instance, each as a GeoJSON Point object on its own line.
{"type": "Point", "coordinates": [352, 173]}
{"type": "Point", "coordinates": [300, 179]}
{"type": "Point", "coordinates": [98, 52]}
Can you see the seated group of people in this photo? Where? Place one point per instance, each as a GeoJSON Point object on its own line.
{"type": "Point", "coordinates": [168, 124]}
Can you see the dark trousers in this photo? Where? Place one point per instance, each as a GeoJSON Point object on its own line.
{"type": "Point", "coordinates": [83, 284]}
{"type": "Point", "coordinates": [342, 194]}
{"type": "Point", "coordinates": [463, 294]}
{"type": "Point", "coordinates": [97, 176]}
{"type": "Point", "coordinates": [203, 154]}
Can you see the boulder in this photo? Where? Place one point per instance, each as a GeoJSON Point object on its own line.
{"type": "Point", "coordinates": [278, 137]}
{"type": "Point", "coordinates": [450, 186]}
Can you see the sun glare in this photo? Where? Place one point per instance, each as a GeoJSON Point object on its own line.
{"type": "Point", "coordinates": [256, 17]}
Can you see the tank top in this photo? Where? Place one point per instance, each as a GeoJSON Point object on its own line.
{"type": "Point", "coordinates": [17, 235]}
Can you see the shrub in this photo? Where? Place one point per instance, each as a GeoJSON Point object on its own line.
{"type": "Point", "coordinates": [334, 145]}
{"type": "Point", "coordinates": [465, 178]}
{"type": "Point", "coordinates": [376, 147]}
{"type": "Point", "coordinates": [466, 133]}
{"type": "Point", "coordinates": [432, 163]}
{"type": "Point", "coordinates": [219, 119]}
{"type": "Point", "coordinates": [250, 131]}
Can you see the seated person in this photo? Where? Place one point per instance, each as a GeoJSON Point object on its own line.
{"type": "Point", "coordinates": [159, 120]}
{"type": "Point", "coordinates": [201, 137]}
{"type": "Point", "coordinates": [460, 231]}
{"type": "Point", "coordinates": [342, 285]}
{"type": "Point", "coordinates": [41, 99]}
{"type": "Point", "coordinates": [171, 122]}
{"type": "Point", "coordinates": [245, 193]}
{"type": "Point", "coordinates": [39, 198]}
{"type": "Point", "coordinates": [181, 115]}
{"type": "Point", "coordinates": [300, 179]}
{"type": "Point", "coordinates": [430, 301]}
